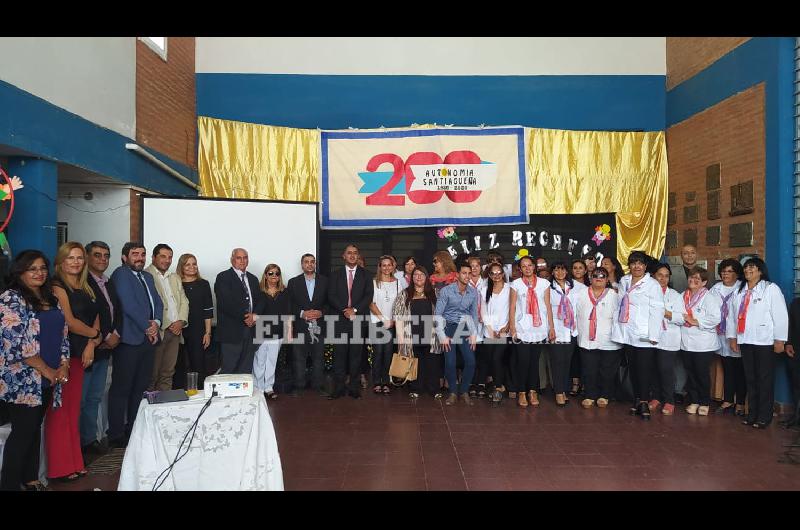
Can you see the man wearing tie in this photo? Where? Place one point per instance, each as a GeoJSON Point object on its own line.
{"type": "Point", "coordinates": [308, 293]}
{"type": "Point", "coordinates": [133, 358]}
{"type": "Point", "coordinates": [237, 294]}
{"type": "Point", "coordinates": [349, 294]}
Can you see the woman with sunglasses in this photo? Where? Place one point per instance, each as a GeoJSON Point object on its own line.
{"type": "Point", "coordinates": [274, 305]}
{"type": "Point", "coordinates": [699, 339]}
{"type": "Point", "coordinates": [413, 312]}
{"type": "Point", "coordinates": [34, 347]}
{"type": "Point", "coordinates": [82, 312]}
{"type": "Point", "coordinates": [669, 343]}
{"type": "Point", "coordinates": [638, 327]}
{"type": "Point", "coordinates": [495, 299]}
{"type": "Point", "coordinates": [385, 292]}
{"type": "Point", "coordinates": [595, 311]}
{"type": "Point", "coordinates": [561, 321]}
{"type": "Point", "coordinates": [735, 390]}
{"type": "Point", "coordinates": [758, 325]}
{"type": "Point", "coordinates": [529, 328]}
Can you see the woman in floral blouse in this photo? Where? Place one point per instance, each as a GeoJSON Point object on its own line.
{"type": "Point", "coordinates": [34, 362]}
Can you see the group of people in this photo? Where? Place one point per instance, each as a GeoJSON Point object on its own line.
{"type": "Point", "coordinates": [476, 330]}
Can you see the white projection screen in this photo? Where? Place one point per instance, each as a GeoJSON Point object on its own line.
{"type": "Point", "coordinates": [272, 232]}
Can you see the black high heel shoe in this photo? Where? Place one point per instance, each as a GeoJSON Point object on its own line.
{"type": "Point", "coordinates": [748, 422]}
{"type": "Point", "coordinates": [643, 410]}
{"type": "Point", "coordinates": [724, 410]}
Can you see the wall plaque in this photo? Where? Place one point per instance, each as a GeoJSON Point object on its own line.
{"type": "Point", "coordinates": [712, 177]}
{"type": "Point", "coordinates": [690, 196]}
{"type": "Point", "coordinates": [672, 216]}
{"type": "Point", "coordinates": [713, 207]}
{"type": "Point", "coordinates": [672, 239]}
{"type": "Point", "coordinates": [742, 198]}
{"type": "Point", "coordinates": [713, 235]}
{"type": "Point", "coordinates": [690, 236]}
{"type": "Point", "coordinates": [690, 214]}
{"type": "Point", "coordinates": [741, 234]}
{"type": "Point", "coordinates": [672, 199]}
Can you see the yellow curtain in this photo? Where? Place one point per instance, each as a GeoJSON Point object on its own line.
{"type": "Point", "coordinates": [594, 171]}
{"type": "Point", "coordinates": [568, 172]}
{"type": "Point", "coordinates": [248, 161]}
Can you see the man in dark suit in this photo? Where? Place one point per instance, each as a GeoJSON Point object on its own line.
{"type": "Point", "coordinates": [349, 294]}
{"type": "Point", "coordinates": [141, 309]}
{"type": "Point", "coordinates": [308, 293]}
{"type": "Point", "coordinates": [237, 294]}
{"type": "Point", "coordinates": [98, 255]}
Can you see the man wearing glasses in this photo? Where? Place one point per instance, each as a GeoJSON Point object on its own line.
{"type": "Point", "coordinates": [542, 270]}
{"type": "Point", "coordinates": [98, 254]}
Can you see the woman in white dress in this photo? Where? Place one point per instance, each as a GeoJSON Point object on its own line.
{"type": "Point", "coordinates": [758, 326]}
{"type": "Point", "coordinates": [735, 389]}
{"type": "Point", "coordinates": [699, 340]}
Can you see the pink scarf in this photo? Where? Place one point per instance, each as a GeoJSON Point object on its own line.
{"type": "Point", "coordinates": [593, 314]}
{"type": "Point", "coordinates": [474, 283]}
{"type": "Point", "coordinates": [625, 303]}
{"type": "Point", "coordinates": [722, 326]}
{"type": "Point", "coordinates": [533, 302]}
{"type": "Point", "coordinates": [689, 303]}
{"type": "Point", "coordinates": [565, 311]}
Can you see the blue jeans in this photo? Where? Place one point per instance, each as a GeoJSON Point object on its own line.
{"type": "Point", "coordinates": [94, 385]}
{"type": "Point", "coordinates": [467, 352]}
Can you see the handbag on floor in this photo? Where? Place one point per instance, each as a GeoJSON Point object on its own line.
{"type": "Point", "coordinates": [404, 368]}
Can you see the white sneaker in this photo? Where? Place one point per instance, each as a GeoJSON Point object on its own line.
{"type": "Point", "coordinates": [692, 409]}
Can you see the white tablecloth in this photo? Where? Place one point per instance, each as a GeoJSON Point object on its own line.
{"type": "Point", "coordinates": [234, 447]}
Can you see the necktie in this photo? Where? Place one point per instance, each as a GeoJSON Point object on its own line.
{"type": "Point", "coordinates": [247, 293]}
{"type": "Point", "coordinates": [349, 287]}
{"type": "Point", "coordinates": [147, 294]}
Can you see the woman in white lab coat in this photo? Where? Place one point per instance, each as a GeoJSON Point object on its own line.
{"type": "Point", "coordinates": [699, 340]}
{"type": "Point", "coordinates": [669, 343]}
{"type": "Point", "coordinates": [595, 311]}
{"type": "Point", "coordinates": [758, 325]}
{"type": "Point", "coordinates": [735, 389]}
{"type": "Point", "coordinates": [638, 326]}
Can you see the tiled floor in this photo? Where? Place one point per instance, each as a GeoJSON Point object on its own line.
{"type": "Point", "coordinates": [391, 443]}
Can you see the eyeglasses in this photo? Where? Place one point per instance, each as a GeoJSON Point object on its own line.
{"type": "Point", "coordinates": [273, 273]}
{"type": "Point", "coordinates": [34, 270]}
{"type": "Point", "coordinates": [598, 276]}
{"type": "Point", "coordinates": [728, 271]}
{"type": "Point", "coordinates": [495, 273]}
{"type": "Point", "coordinates": [541, 265]}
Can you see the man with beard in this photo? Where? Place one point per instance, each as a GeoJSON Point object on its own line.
{"type": "Point", "coordinates": [142, 309]}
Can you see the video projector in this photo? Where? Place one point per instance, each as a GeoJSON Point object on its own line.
{"type": "Point", "coordinates": [229, 385]}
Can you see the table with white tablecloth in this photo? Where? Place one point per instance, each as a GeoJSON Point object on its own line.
{"type": "Point", "coordinates": [234, 447]}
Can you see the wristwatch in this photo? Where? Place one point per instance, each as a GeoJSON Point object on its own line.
{"type": "Point", "coordinates": [355, 310]}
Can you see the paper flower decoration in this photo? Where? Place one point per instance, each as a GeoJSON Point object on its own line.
{"type": "Point", "coordinates": [601, 233]}
{"type": "Point", "coordinates": [523, 252]}
{"type": "Point", "coordinates": [448, 233]}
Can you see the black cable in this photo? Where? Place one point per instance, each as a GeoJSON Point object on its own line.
{"type": "Point", "coordinates": [178, 456]}
{"type": "Point", "coordinates": [75, 207]}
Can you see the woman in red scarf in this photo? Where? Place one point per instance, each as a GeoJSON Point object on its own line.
{"type": "Point", "coordinates": [758, 325]}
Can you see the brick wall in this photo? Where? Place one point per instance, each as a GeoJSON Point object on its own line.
{"type": "Point", "coordinates": [730, 133]}
{"type": "Point", "coordinates": [687, 56]}
{"type": "Point", "coordinates": [136, 216]}
{"type": "Point", "coordinates": [165, 100]}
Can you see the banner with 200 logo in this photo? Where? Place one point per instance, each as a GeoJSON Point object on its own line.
{"type": "Point", "coordinates": [420, 177]}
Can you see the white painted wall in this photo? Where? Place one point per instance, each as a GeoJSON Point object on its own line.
{"type": "Point", "coordinates": [111, 223]}
{"type": "Point", "coordinates": [93, 77]}
{"type": "Point", "coordinates": [433, 56]}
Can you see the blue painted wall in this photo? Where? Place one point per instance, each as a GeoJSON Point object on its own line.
{"type": "Point", "coordinates": [579, 102]}
{"type": "Point", "coordinates": [48, 131]}
{"type": "Point", "coordinates": [771, 61]}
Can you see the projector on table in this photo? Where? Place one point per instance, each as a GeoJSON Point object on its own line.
{"type": "Point", "coordinates": [229, 385]}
